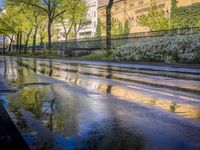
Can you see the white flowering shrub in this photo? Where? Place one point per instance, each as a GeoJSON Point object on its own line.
{"type": "Point", "coordinates": [181, 48]}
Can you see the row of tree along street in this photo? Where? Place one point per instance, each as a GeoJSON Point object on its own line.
{"type": "Point", "coordinates": [30, 21]}
{"type": "Point", "coordinates": [27, 22]}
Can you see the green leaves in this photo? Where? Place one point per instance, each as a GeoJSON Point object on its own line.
{"type": "Point", "coordinates": [155, 19]}
{"type": "Point", "coordinates": [126, 27]}
{"type": "Point", "coordinates": [188, 16]}
{"type": "Point", "coordinates": [180, 17]}
{"type": "Point", "coordinates": [41, 15]}
{"type": "Point", "coordinates": [74, 16]}
{"type": "Point", "coordinates": [10, 20]}
{"type": "Point", "coordinates": [99, 28]}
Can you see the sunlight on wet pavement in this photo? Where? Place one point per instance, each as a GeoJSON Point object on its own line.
{"type": "Point", "coordinates": [84, 106]}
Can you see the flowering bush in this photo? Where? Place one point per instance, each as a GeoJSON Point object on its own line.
{"type": "Point", "coordinates": [180, 48]}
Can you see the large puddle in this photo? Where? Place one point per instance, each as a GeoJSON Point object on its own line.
{"type": "Point", "coordinates": [84, 106]}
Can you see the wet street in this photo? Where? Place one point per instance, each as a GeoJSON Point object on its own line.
{"type": "Point", "coordinates": [82, 105]}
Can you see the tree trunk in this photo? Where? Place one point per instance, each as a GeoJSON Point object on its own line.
{"type": "Point", "coordinates": [5, 67]}
{"type": "Point", "coordinates": [17, 42]}
{"type": "Point", "coordinates": [108, 26]}
{"type": "Point", "coordinates": [20, 42]}
{"type": "Point", "coordinates": [41, 40]}
{"type": "Point", "coordinates": [66, 32]}
{"type": "Point", "coordinates": [10, 44]}
{"type": "Point", "coordinates": [4, 44]}
{"type": "Point", "coordinates": [26, 42]}
{"type": "Point", "coordinates": [51, 68]}
{"type": "Point", "coordinates": [66, 37]}
{"type": "Point", "coordinates": [75, 31]}
{"type": "Point", "coordinates": [49, 34]}
{"type": "Point", "coordinates": [34, 39]}
{"type": "Point", "coordinates": [75, 36]}
{"type": "Point", "coordinates": [35, 65]}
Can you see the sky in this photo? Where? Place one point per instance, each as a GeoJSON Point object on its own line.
{"type": "Point", "coordinates": [1, 2]}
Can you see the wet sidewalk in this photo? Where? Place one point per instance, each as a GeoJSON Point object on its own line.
{"type": "Point", "coordinates": [88, 105]}
{"type": "Point", "coordinates": [4, 87]}
{"type": "Point", "coordinates": [10, 137]}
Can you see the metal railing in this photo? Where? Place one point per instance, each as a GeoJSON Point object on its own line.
{"type": "Point", "coordinates": [97, 43]}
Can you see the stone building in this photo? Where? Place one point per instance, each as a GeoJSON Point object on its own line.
{"type": "Point", "coordinates": [131, 10]}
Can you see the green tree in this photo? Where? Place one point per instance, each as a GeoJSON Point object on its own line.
{"type": "Point", "coordinates": [99, 27]}
{"type": "Point", "coordinates": [42, 29]}
{"type": "Point", "coordinates": [155, 19]}
{"type": "Point", "coordinates": [114, 27]}
{"type": "Point", "coordinates": [7, 27]}
{"type": "Point", "coordinates": [198, 23]}
{"type": "Point", "coordinates": [184, 17]}
{"type": "Point", "coordinates": [117, 27]}
{"type": "Point", "coordinates": [126, 27]}
{"type": "Point", "coordinates": [52, 9]}
{"type": "Point", "coordinates": [173, 5]}
{"type": "Point", "coordinates": [19, 21]}
{"type": "Point", "coordinates": [120, 28]}
{"type": "Point", "coordinates": [15, 21]}
{"type": "Point", "coordinates": [73, 17]}
{"type": "Point", "coordinates": [27, 24]}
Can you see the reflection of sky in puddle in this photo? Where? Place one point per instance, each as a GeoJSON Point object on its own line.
{"type": "Point", "coordinates": [71, 114]}
{"type": "Point", "coordinates": [141, 78]}
{"type": "Point", "coordinates": [97, 114]}
{"type": "Point", "coordinates": [164, 100]}
{"type": "Point", "coordinates": [173, 102]}
{"type": "Point", "coordinates": [82, 111]}
{"type": "Point", "coordinates": [4, 101]}
{"type": "Point", "coordinates": [76, 119]}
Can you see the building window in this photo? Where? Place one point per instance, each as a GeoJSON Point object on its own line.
{"type": "Point", "coordinates": [131, 5]}
{"type": "Point", "coordinates": [140, 2]}
{"type": "Point", "coordinates": [94, 13]}
{"type": "Point", "coordinates": [95, 24]}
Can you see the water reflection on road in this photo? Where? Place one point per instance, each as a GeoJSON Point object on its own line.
{"type": "Point", "coordinates": [91, 106]}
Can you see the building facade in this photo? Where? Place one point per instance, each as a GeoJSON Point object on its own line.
{"type": "Point", "coordinates": [86, 29]}
{"type": "Point", "coordinates": [89, 26]}
{"type": "Point", "coordinates": [186, 2]}
{"type": "Point", "coordinates": [131, 10]}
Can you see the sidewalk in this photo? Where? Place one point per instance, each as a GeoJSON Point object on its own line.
{"type": "Point", "coordinates": [10, 137]}
{"type": "Point", "coordinates": [4, 87]}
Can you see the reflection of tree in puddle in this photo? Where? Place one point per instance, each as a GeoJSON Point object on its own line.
{"type": "Point", "coordinates": [35, 65]}
{"type": "Point", "coordinates": [186, 110]}
{"type": "Point", "coordinates": [62, 117]}
{"type": "Point", "coordinates": [19, 120]}
{"type": "Point", "coordinates": [31, 99]}
{"type": "Point", "coordinates": [50, 68]}
{"type": "Point", "coordinates": [19, 75]}
{"type": "Point", "coordinates": [44, 104]}
{"type": "Point", "coordinates": [198, 115]}
{"type": "Point", "coordinates": [172, 107]}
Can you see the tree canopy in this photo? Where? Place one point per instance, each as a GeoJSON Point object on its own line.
{"type": "Point", "coordinates": [178, 17]}
{"type": "Point", "coordinates": [33, 21]}
{"type": "Point", "coordinates": [155, 19]}
{"type": "Point", "coordinates": [187, 16]}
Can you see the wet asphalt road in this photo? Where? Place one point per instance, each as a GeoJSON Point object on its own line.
{"type": "Point", "coordinates": [96, 105]}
